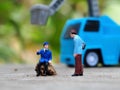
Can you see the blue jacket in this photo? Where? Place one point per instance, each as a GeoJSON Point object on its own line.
{"type": "Point", "coordinates": [78, 42]}
{"type": "Point", "coordinates": [46, 55]}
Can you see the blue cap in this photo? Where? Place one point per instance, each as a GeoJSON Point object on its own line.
{"type": "Point", "coordinates": [45, 43]}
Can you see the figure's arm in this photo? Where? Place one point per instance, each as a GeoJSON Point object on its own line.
{"type": "Point", "coordinates": [83, 44]}
{"type": "Point", "coordinates": [38, 52]}
{"type": "Point", "coordinates": [50, 57]}
{"type": "Point", "coordinates": [76, 43]}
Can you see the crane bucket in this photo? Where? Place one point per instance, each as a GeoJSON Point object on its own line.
{"type": "Point", "coordinates": [39, 14]}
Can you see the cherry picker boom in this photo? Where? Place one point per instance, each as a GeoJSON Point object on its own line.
{"type": "Point", "coordinates": [40, 12]}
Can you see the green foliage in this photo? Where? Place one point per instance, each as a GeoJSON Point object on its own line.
{"type": "Point", "coordinates": [6, 7]}
{"type": "Point", "coordinates": [8, 55]}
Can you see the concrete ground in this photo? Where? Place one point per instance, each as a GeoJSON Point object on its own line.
{"type": "Point", "coordinates": [22, 77]}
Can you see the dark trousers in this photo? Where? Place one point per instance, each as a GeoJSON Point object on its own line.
{"type": "Point", "coordinates": [78, 64]}
{"type": "Point", "coordinates": [45, 64]}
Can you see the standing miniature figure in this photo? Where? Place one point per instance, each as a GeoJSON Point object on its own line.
{"type": "Point", "coordinates": [44, 63]}
{"type": "Point", "coordinates": [79, 44]}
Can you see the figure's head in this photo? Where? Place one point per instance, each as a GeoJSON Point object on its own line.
{"type": "Point", "coordinates": [46, 45]}
{"type": "Point", "coordinates": [72, 33]}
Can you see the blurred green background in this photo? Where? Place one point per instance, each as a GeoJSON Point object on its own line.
{"type": "Point", "coordinates": [19, 39]}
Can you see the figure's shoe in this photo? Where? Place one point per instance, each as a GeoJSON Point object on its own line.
{"type": "Point", "coordinates": [80, 74]}
{"type": "Point", "coordinates": [77, 75]}
{"type": "Point", "coordinates": [37, 75]}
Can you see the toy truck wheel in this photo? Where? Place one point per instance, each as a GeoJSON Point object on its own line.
{"type": "Point", "coordinates": [91, 59]}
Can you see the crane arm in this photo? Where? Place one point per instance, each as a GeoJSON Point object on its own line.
{"type": "Point", "coordinates": [55, 5]}
{"type": "Point", "coordinates": [40, 12]}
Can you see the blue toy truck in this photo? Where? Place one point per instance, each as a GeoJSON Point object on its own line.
{"type": "Point", "coordinates": [102, 38]}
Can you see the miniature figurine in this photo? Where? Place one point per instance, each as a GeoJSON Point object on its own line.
{"type": "Point", "coordinates": [78, 46]}
{"type": "Point", "coordinates": [44, 66]}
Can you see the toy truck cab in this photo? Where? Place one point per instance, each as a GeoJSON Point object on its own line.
{"type": "Point", "coordinates": [101, 35]}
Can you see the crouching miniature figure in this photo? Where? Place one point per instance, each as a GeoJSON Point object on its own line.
{"type": "Point", "coordinates": [44, 66]}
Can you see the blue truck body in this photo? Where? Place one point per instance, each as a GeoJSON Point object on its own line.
{"type": "Point", "coordinates": [102, 38]}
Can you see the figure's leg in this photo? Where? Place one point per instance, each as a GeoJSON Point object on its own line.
{"type": "Point", "coordinates": [42, 68]}
{"type": "Point", "coordinates": [78, 66]}
{"type": "Point", "coordinates": [46, 68]}
{"type": "Point", "coordinates": [38, 69]}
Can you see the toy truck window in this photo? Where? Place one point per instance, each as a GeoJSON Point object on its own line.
{"type": "Point", "coordinates": [92, 26]}
{"type": "Point", "coordinates": [69, 28]}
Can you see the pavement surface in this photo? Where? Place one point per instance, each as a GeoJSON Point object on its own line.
{"type": "Point", "coordinates": [23, 77]}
